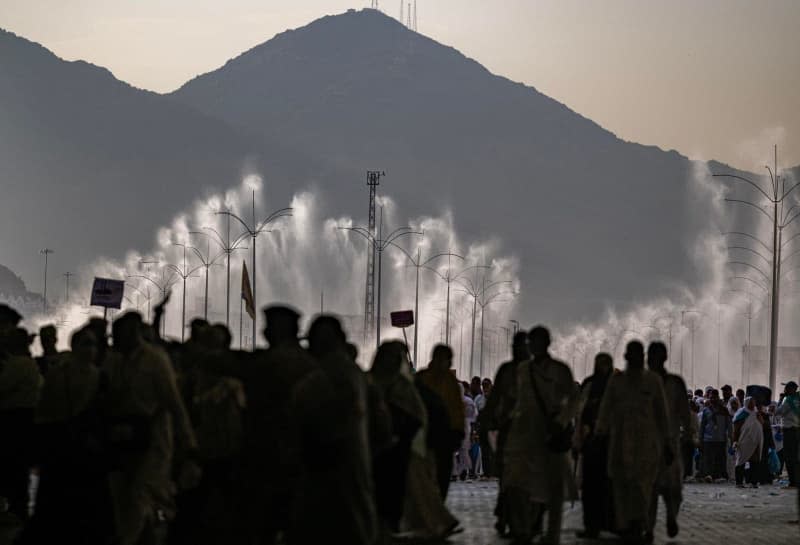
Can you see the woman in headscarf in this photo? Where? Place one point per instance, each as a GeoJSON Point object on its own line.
{"type": "Point", "coordinates": [733, 406]}
{"type": "Point", "coordinates": [463, 466]}
{"type": "Point", "coordinates": [748, 439]}
{"type": "Point", "coordinates": [391, 373]}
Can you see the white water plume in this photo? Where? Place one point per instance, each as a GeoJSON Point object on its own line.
{"type": "Point", "coordinates": [717, 332]}
{"type": "Point", "coordinates": [308, 262]}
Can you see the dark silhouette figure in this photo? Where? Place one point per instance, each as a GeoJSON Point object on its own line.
{"type": "Point", "coordinates": [596, 486]}
{"type": "Point", "coordinates": [496, 415]}
{"type": "Point", "coordinates": [391, 373]}
{"type": "Point", "coordinates": [669, 484]}
{"type": "Point", "coordinates": [439, 379]}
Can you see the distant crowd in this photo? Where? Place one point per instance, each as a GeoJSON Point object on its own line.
{"type": "Point", "coordinates": [131, 439]}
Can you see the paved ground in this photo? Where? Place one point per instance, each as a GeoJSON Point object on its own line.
{"type": "Point", "coordinates": [720, 514]}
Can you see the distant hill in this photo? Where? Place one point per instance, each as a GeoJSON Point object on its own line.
{"type": "Point", "coordinates": [91, 165]}
{"type": "Point", "coordinates": [593, 217]}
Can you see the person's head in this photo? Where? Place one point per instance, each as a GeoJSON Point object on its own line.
{"type": "Point", "coordinates": [603, 364]}
{"type": "Point", "coordinates": [99, 327]}
{"type": "Point", "coordinates": [727, 392]}
{"type": "Point", "coordinates": [84, 346]}
{"type": "Point", "coordinates": [475, 388]}
{"type": "Point", "coordinates": [634, 355]}
{"type": "Point", "coordinates": [389, 361]}
{"type": "Point", "coordinates": [442, 357]}
{"type": "Point", "coordinates": [9, 318]}
{"type": "Point", "coordinates": [713, 395]}
{"type": "Point", "coordinates": [539, 341]}
{"type": "Point", "coordinates": [325, 336]}
{"type": "Point", "coordinates": [519, 347]}
{"type": "Point", "coordinates": [196, 327]}
{"type": "Point", "coordinates": [708, 390]}
{"type": "Point", "coordinates": [48, 339]}
{"type": "Point", "coordinates": [734, 405]}
{"type": "Point", "coordinates": [224, 334]}
{"type": "Point", "coordinates": [740, 396]}
{"type": "Point", "coordinates": [790, 388]}
{"type": "Point", "coordinates": [19, 342]}
{"type": "Point", "coordinates": [750, 403]}
{"type": "Point", "coordinates": [656, 356]}
{"type": "Point", "coordinates": [127, 332]}
{"type": "Point", "coordinates": [282, 324]}
{"type": "Point", "coordinates": [486, 384]}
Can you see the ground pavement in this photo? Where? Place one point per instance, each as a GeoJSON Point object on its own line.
{"type": "Point", "coordinates": [711, 513]}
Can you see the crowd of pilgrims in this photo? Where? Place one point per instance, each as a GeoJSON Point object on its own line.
{"type": "Point", "coordinates": [142, 440]}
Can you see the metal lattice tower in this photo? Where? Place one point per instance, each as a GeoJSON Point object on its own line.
{"type": "Point", "coordinates": [373, 180]}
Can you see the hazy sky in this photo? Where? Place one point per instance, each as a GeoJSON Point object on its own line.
{"type": "Point", "coordinates": [712, 79]}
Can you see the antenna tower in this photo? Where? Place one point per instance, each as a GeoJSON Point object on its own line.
{"type": "Point", "coordinates": [415, 15]}
{"type": "Point", "coordinates": [408, 24]}
{"type": "Point", "coordinates": [374, 4]}
{"type": "Point", "coordinates": [373, 180]}
{"type": "Point", "coordinates": [401, 10]}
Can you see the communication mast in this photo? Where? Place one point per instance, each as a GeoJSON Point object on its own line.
{"type": "Point", "coordinates": [373, 180]}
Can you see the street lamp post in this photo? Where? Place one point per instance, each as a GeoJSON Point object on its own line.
{"type": "Point", "coordinates": [46, 252]}
{"type": "Point", "coordinates": [692, 327]}
{"type": "Point", "coordinates": [163, 285]}
{"type": "Point", "coordinates": [418, 263]}
{"type": "Point", "coordinates": [781, 217]}
{"type": "Point", "coordinates": [184, 273]}
{"type": "Point", "coordinates": [67, 276]}
{"type": "Point", "coordinates": [207, 262]}
{"type": "Point", "coordinates": [146, 296]}
{"type": "Point", "coordinates": [253, 231]}
{"type": "Point", "coordinates": [227, 248]}
{"type": "Point", "coordinates": [449, 278]}
{"type": "Point", "coordinates": [378, 245]}
{"type": "Point", "coordinates": [479, 298]}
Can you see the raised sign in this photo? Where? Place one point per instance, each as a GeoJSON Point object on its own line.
{"type": "Point", "coordinates": [402, 318]}
{"type": "Point", "coordinates": [107, 293]}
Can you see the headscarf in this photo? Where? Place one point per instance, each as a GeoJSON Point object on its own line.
{"type": "Point", "coordinates": [733, 401]}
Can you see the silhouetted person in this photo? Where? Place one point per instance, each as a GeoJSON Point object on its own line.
{"type": "Point", "coordinates": [50, 355]}
{"type": "Point", "coordinates": [335, 495]}
{"type": "Point", "coordinates": [496, 415]}
{"type": "Point", "coordinates": [99, 327]}
{"type": "Point", "coordinates": [20, 382]}
{"type": "Point", "coordinates": [715, 431]}
{"type": "Point", "coordinates": [596, 487]}
{"type": "Point", "coordinates": [391, 372]}
{"type": "Point", "coordinates": [73, 501]}
{"type": "Point", "coordinates": [537, 471]}
{"type": "Point", "coordinates": [789, 410]}
{"type": "Point", "coordinates": [150, 432]}
{"type": "Point", "coordinates": [439, 379]}
{"type": "Point", "coordinates": [633, 414]}
{"type": "Point", "coordinates": [669, 484]}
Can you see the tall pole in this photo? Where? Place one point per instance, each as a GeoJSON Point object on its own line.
{"type": "Point", "coordinates": [46, 252]}
{"type": "Point", "coordinates": [373, 180]}
{"type": "Point", "coordinates": [472, 339]}
{"type": "Point", "coordinates": [483, 311]}
{"type": "Point", "coordinates": [183, 301]}
{"type": "Point", "coordinates": [719, 341]}
{"type": "Point", "coordinates": [228, 285]}
{"type": "Point", "coordinates": [380, 269]}
{"type": "Point", "coordinates": [255, 297]}
{"type": "Point", "coordinates": [416, 308]}
{"type": "Point", "coordinates": [447, 311]}
{"type": "Point", "coordinates": [66, 279]}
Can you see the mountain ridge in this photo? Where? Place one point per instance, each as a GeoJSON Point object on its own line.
{"type": "Point", "coordinates": [316, 106]}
